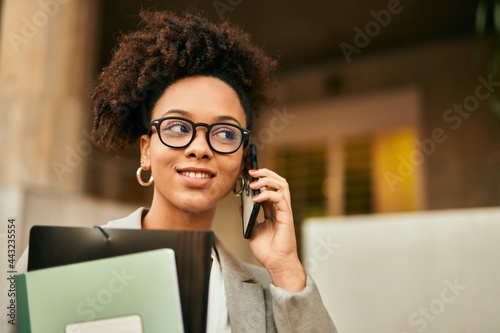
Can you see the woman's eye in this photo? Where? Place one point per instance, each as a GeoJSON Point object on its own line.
{"type": "Point", "coordinates": [225, 134]}
{"type": "Point", "coordinates": [178, 127]}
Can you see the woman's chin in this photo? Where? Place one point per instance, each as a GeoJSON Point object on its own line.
{"type": "Point", "coordinates": [197, 204]}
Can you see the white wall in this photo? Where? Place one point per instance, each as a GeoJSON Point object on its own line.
{"type": "Point", "coordinates": [431, 272]}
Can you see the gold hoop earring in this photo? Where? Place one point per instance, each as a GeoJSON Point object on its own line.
{"type": "Point", "coordinates": [242, 183]}
{"type": "Point", "coordinates": [139, 177]}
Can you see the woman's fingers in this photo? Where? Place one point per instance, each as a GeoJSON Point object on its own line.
{"type": "Point", "coordinates": [269, 181]}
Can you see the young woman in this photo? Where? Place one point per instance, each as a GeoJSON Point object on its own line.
{"type": "Point", "coordinates": [199, 85]}
{"type": "Point", "coordinates": [187, 90]}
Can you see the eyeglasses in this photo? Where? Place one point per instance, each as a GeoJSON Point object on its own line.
{"type": "Point", "coordinates": [177, 132]}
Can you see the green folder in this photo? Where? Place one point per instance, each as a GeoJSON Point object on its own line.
{"type": "Point", "coordinates": [143, 284]}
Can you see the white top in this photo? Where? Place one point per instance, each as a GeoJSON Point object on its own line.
{"type": "Point", "coordinates": [217, 315]}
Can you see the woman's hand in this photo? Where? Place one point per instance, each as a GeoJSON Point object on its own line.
{"type": "Point", "coordinates": [273, 241]}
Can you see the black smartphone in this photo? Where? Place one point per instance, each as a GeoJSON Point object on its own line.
{"type": "Point", "coordinates": [250, 209]}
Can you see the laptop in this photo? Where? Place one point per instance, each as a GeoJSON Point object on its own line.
{"type": "Point", "coordinates": [52, 246]}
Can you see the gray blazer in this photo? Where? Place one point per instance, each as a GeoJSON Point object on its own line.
{"type": "Point", "coordinates": [254, 303]}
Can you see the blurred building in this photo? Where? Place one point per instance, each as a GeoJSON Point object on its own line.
{"type": "Point", "coordinates": [382, 109]}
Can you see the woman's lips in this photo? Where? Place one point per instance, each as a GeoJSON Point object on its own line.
{"type": "Point", "coordinates": [197, 175]}
{"type": "Point", "coordinates": [196, 178]}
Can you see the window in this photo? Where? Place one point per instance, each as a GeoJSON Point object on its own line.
{"type": "Point", "coordinates": [358, 196]}
{"type": "Point", "coordinates": [305, 171]}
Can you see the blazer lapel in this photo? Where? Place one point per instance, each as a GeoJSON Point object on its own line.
{"type": "Point", "coordinates": [245, 297]}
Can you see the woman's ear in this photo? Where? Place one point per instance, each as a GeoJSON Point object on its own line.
{"type": "Point", "coordinates": [145, 144]}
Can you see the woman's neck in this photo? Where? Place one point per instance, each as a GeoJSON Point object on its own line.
{"type": "Point", "coordinates": [163, 215]}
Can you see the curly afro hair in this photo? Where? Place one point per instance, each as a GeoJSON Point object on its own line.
{"type": "Point", "coordinates": [164, 50]}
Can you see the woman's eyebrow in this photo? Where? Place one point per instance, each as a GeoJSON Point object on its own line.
{"type": "Point", "coordinates": [189, 115]}
{"type": "Point", "coordinates": [176, 111]}
{"type": "Point", "coordinates": [227, 118]}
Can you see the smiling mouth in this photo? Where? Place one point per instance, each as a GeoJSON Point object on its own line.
{"type": "Point", "coordinates": [197, 175]}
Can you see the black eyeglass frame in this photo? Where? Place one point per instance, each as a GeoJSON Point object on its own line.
{"type": "Point", "coordinates": [156, 123]}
